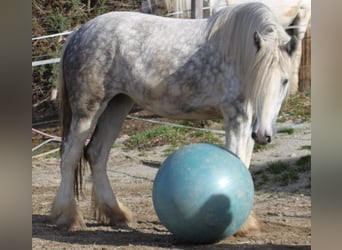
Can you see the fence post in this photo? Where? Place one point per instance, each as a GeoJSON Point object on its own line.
{"type": "Point", "coordinates": [196, 9]}
{"type": "Point", "coordinates": [304, 82]}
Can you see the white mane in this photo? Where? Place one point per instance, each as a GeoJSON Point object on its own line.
{"type": "Point", "coordinates": [233, 33]}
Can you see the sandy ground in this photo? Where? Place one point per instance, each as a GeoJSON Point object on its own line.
{"type": "Point", "coordinates": [284, 207]}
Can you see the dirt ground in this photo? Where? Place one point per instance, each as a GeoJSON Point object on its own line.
{"type": "Point", "coordinates": [282, 204]}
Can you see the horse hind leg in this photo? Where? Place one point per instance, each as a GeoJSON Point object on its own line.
{"type": "Point", "coordinates": [64, 212]}
{"type": "Point", "coordinates": [107, 208]}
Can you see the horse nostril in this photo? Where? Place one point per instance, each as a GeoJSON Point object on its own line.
{"type": "Point", "coordinates": [268, 138]}
{"type": "Point", "coordinates": [254, 136]}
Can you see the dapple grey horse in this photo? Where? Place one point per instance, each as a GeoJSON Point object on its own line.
{"type": "Point", "coordinates": [235, 65]}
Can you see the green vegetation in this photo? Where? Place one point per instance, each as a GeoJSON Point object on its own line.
{"type": "Point", "coordinates": [176, 136]}
{"type": "Point", "coordinates": [259, 147]}
{"type": "Point", "coordinates": [169, 151]}
{"type": "Point", "coordinates": [289, 131]}
{"type": "Point", "coordinates": [281, 119]}
{"type": "Point", "coordinates": [282, 173]}
{"type": "Point", "coordinates": [155, 136]}
{"type": "Point", "coordinates": [51, 17]}
{"type": "Point", "coordinates": [277, 167]}
{"type": "Point", "coordinates": [287, 178]}
{"type": "Point", "coordinates": [304, 163]}
{"type": "Point", "coordinates": [297, 107]}
{"type": "Point", "coordinates": [306, 147]}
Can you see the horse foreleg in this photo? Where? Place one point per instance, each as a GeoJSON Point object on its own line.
{"type": "Point", "coordinates": [107, 208]}
{"type": "Point", "coordinates": [64, 211]}
{"type": "Point", "coordinates": [240, 142]}
{"type": "Point", "coordinates": [252, 224]}
{"type": "Point", "coordinates": [238, 134]}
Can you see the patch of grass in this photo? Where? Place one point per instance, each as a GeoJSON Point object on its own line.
{"type": "Point", "coordinates": [186, 123]}
{"type": "Point", "coordinates": [281, 119]}
{"type": "Point", "coordinates": [143, 154]}
{"type": "Point", "coordinates": [205, 137]}
{"type": "Point", "coordinates": [175, 136]}
{"type": "Point", "coordinates": [157, 135]}
{"type": "Point", "coordinates": [59, 21]}
{"type": "Point", "coordinates": [258, 172]}
{"type": "Point", "coordinates": [297, 107]}
{"type": "Point", "coordinates": [169, 151]}
{"type": "Point", "coordinates": [264, 178]}
{"type": "Point", "coordinates": [304, 163]}
{"type": "Point", "coordinates": [259, 147]}
{"type": "Point", "coordinates": [284, 173]}
{"type": "Point", "coordinates": [277, 167]}
{"type": "Point", "coordinates": [305, 147]}
{"type": "Point", "coordinates": [260, 178]}
{"type": "Point", "coordinates": [102, 8]}
{"type": "Point", "coordinates": [289, 131]}
{"type": "Point", "coordinates": [288, 177]}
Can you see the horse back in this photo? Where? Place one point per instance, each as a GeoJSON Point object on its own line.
{"type": "Point", "coordinates": [163, 64]}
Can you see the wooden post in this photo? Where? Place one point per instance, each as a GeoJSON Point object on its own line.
{"type": "Point", "coordinates": [196, 9]}
{"type": "Point", "coordinates": [305, 65]}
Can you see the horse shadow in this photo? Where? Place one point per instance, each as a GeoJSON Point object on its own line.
{"type": "Point", "coordinates": [42, 228]}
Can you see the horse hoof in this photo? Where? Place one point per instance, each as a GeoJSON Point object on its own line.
{"type": "Point", "coordinates": [119, 216]}
{"type": "Point", "coordinates": [252, 226]}
{"type": "Point", "coordinates": [70, 219]}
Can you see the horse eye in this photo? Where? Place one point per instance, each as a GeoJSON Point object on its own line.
{"type": "Point", "coordinates": [285, 81]}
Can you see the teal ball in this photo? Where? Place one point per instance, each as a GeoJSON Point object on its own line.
{"type": "Point", "coordinates": [203, 193]}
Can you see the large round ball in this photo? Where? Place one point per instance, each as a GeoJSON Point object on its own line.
{"type": "Point", "coordinates": [202, 193]}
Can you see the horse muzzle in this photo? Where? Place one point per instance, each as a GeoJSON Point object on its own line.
{"type": "Point", "coordinates": [261, 138]}
{"type": "Point", "coordinates": [262, 135]}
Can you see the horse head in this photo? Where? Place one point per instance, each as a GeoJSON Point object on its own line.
{"type": "Point", "coordinates": [273, 70]}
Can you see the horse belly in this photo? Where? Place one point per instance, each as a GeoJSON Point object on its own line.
{"type": "Point", "coordinates": [182, 111]}
{"type": "Point", "coordinates": [178, 102]}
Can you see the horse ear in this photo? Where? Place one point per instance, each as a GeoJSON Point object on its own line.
{"type": "Point", "coordinates": [257, 39]}
{"type": "Point", "coordinates": [291, 45]}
